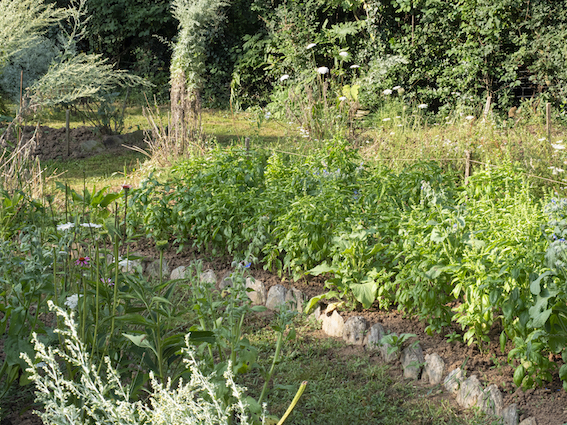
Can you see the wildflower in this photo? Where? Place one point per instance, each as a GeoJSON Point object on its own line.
{"type": "Point", "coordinates": [108, 281]}
{"type": "Point", "coordinates": [323, 70]}
{"type": "Point", "coordinates": [556, 170]}
{"type": "Point", "coordinates": [96, 226]}
{"type": "Point", "coordinates": [284, 77]}
{"type": "Point", "coordinates": [386, 119]}
{"type": "Point", "coordinates": [543, 139]}
{"type": "Point", "coordinates": [82, 261]}
{"type": "Point", "coordinates": [126, 187]}
{"type": "Point", "coordinates": [268, 115]}
{"type": "Point", "coordinates": [469, 117]}
{"type": "Point", "coordinates": [422, 106]}
{"type": "Point", "coordinates": [72, 301]}
{"type": "Point", "coordinates": [354, 66]}
{"type": "Point", "coordinates": [343, 54]}
{"type": "Point", "coordinates": [65, 226]}
{"type": "Point", "coordinates": [310, 46]}
{"type": "Point", "coordinates": [397, 88]}
{"type": "Point", "coordinates": [387, 92]}
{"type": "Point", "coordinates": [557, 146]}
{"type": "Point", "coordinates": [342, 98]}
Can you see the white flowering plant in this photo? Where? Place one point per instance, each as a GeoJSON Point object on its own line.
{"type": "Point", "coordinates": [93, 398]}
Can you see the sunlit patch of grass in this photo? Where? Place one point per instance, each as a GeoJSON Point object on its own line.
{"type": "Point", "coordinates": [345, 387]}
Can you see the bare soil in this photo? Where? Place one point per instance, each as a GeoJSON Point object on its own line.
{"type": "Point", "coordinates": [547, 404]}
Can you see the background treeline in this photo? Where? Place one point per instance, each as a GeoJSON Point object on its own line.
{"type": "Point", "coordinates": [449, 54]}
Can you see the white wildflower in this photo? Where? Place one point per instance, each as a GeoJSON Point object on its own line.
{"type": "Point", "coordinates": [556, 170]}
{"type": "Point", "coordinates": [397, 88]}
{"type": "Point", "coordinates": [469, 117]}
{"type": "Point", "coordinates": [387, 92]}
{"type": "Point", "coordinates": [65, 226]}
{"type": "Point", "coordinates": [543, 139]}
{"type": "Point", "coordinates": [323, 70]}
{"type": "Point", "coordinates": [268, 115]}
{"type": "Point", "coordinates": [92, 225]}
{"type": "Point", "coordinates": [342, 98]}
{"type": "Point", "coordinates": [386, 119]}
{"type": "Point", "coordinates": [422, 106]}
{"type": "Point", "coordinates": [343, 54]}
{"type": "Point", "coordinates": [558, 146]}
{"type": "Point", "coordinates": [72, 301]}
{"type": "Point", "coordinates": [354, 66]}
{"type": "Point", "coordinates": [310, 46]}
{"type": "Point", "coordinates": [284, 77]}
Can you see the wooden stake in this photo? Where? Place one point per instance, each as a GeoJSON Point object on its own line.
{"type": "Point", "coordinates": [467, 165]}
{"type": "Point", "coordinates": [67, 132]}
{"type": "Point", "coordinates": [548, 120]}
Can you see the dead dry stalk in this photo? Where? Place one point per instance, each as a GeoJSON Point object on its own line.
{"type": "Point", "coordinates": [19, 169]}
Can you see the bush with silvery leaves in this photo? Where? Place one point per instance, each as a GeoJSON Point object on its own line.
{"type": "Point", "coordinates": [94, 399]}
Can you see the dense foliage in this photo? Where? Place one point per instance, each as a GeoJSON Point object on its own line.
{"type": "Point", "coordinates": [476, 252]}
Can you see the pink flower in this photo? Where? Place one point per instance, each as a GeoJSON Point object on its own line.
{"type": "Point", "coordinates": [126, 186]}
{"type": "Point", "coordinates": [82, 262]}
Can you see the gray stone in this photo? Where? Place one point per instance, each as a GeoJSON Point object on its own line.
{"type": "Point", "coordinates": [152, 269]}
{"type": "Point", "coordinates": [470, 392]}
{"type": "Point", "coordinates": [529, 421]}
{"type": "Point", "coordinates": [317, 314]}
{"type": "Point", "coordinates": [453, 380]}
{"type": "Point", "coordinates": [333, 325]}
{"type": "Point", "coordinates": [226, 281]}
{"type": "Point", "coordinates": [389, 353]}
{"type": "Point", "coordinates": [131, 266]}
{"type": "Point", "coordinates": [294, 298]}
{"type": "Point", "coordinates": [373, 337]}
{"type": "Point", "coordinates": [91, 146]}
{"type": "Point", "coordinates": [491, 401]}
{"type": "Point", "coordinates": [510, 415]}
{"type": "Point", "coordinates": [112, 141]}
{"type": "Point", "coordinates": [433, 369]}
{"type": "Point", "coordinates": [276, 297]}
{"type": "Point", "coordinates": [354, 330]}
{"type": "Point", "coordinates": [208, 276]}
{"type": "Point", "coordinates": [179, 273]}
{"type": "Point", "coordinates": [258, 296]}
{"type": "Point", "coordinates": [412, 361]}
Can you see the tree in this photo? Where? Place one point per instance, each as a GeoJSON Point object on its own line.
{"type": "Point", "coordinates": [197, 22]}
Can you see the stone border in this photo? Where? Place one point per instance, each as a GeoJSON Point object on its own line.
{"type": "Point", "coordinates": [469, 392]}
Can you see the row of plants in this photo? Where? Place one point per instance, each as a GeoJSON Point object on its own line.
{"type": "Point", "coordinates": [78, 317]}
{"type": "Point", "coordinates": [485, 253]}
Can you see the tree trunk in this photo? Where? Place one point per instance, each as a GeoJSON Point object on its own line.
{"type": "Point", "coordinates": [185, 124]}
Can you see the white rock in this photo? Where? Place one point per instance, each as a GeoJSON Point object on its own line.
{"type": "Point", "coordinates": [470, 392]}
{"type": "Point", "coordinates": [208, 276]}
{"type": "Point", "coordinates": [179, 273]}
{"type": "Point", "coordinates": [453, 380]}
{"type": "Point", "coordinates": [276, 297]}
{"type": "Point", "coordinates": [412, 360]}
{"type": "Point", "coordinates": [354, 329]}
{"type": "Point", "coordinates": [258, 295]}
{"type": "Point", "coordinates": [433, 369]}
{"type": "Point", "coordinates": [333, 325]}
